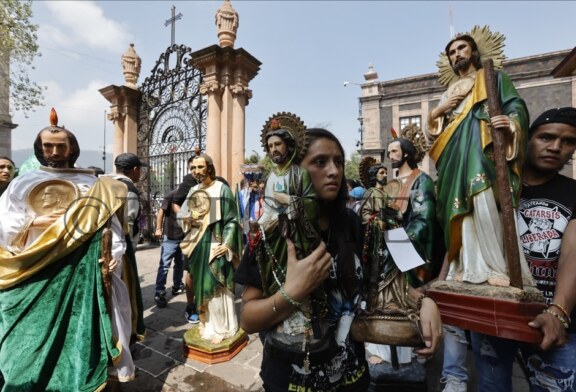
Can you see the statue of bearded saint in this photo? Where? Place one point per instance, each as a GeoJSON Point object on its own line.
{"type": "Point", "coordinates": [386, 284]}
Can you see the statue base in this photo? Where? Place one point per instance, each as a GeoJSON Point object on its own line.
{"type": "Point", "coordinates": [205, 351]}
{"type": "Point", "coordinates": [491, 310]}
{"type": "Point", "coordinates": [385, 331]}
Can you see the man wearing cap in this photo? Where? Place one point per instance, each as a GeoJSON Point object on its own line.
{"type": "Point", "coordinates": [128, 172]}
{"type": "Point", "coordinates": [547, 231]}
{"type": "Point", "coordinates": [59, 329]}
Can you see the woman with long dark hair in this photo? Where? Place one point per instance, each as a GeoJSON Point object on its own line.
{"type": "Point", "coordinates": [318, 354]}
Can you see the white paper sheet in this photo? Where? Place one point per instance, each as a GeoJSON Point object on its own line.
{"type": "Point", "coordinates": [403, 252]}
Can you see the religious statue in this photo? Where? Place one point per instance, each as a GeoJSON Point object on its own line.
{"type": "Point", "coordinates": [289, 198]}
{"type": "Point", "coordinates": [211, 249]}
{"type": "Point", "coordinates": [463, 150]}
{"type": "Point", "coordinates": [51, 280]}
{"type": "Point", "coordinates": [407, 201]}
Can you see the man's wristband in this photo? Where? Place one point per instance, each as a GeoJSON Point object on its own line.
{"type": "Point", "coordinates": [559, 317]}
{"type": "Point", "coordinates": [563, 310]}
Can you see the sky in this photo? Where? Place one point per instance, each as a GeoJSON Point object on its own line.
{"type": "Point", "coordinates": [308, 49]}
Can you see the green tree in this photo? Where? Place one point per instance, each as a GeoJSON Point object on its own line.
{"type": "Point", "coordinates": [352, 171]}
{"type": "Point", "coordinates": [18, 48]}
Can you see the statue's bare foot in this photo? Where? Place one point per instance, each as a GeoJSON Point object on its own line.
{"type": "Point", "coordinates": [498, 281]}
{"type": "Point", "coordinates": [459, 277]}
{"type": "Point", "coordinates": [375, 360]}
{"type": "Point", "coordinates": [217, 338]}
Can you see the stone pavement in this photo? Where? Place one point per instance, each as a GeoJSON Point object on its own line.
{"type": "Point", "coordinates": [162, 368]}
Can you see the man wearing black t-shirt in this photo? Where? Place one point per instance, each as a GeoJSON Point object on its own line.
{"type": "Point", "coordinates": [547, 230]}
{"type": "Point", "coordinates": [168, 230]}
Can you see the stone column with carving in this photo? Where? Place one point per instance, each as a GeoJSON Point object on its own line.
{"type": "Point", "coordinates": [227, 72]}
{"type": "Point", "coordinates": [124, 102]}
{"type": "Point", "coordinates": [6, 124]}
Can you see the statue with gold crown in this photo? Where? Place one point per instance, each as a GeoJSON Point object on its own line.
{"type": "Point", "coordinates": [63, 300]}
{"type": "Point", "coordinates": [290, 211]}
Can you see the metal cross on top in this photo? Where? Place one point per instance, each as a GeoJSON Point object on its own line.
{"type": "Point", "coordinates": [172, 21]}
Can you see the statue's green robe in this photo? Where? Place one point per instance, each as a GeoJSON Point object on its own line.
{"type": "Point", "coordinates": [210, 275]}
{"type": "Point", "coordinates": [272, 254]}
{"type": "Point", "coordinates": [55, 332]}
{"type": "Point", "coordinates": [465, 159]}
{"type": "Point", "coordinates": [418, 203]}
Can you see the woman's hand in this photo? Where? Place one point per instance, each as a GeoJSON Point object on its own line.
{"type": "Point", "coordinates": [431, 324]}
{"type": "Point", "coordinates": [304, 276]}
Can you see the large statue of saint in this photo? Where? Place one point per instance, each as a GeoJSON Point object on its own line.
{"type": "Point", "coordinates": [211, 246]}
{"type": "Point", "coordinates": [66, 322]}
{"type": "Point", "coordinates": [407, 201]}
{"type": "Point", "coordinates": [463, 151]}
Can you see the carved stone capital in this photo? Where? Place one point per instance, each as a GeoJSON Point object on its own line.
{"type": "Point", "coordinates": [115, 114]}
{"type": "Point", "coordinates": [240, 89]}
{"type": "Point", "coordinates": [211, 87]}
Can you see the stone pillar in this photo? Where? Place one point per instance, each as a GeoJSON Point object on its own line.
{"type": "Point", "coordinates": [227, 72]}
{"type": "Point", "coordinates": [124, 102]}
{"type": "Point", "coordinates": [6, 125]}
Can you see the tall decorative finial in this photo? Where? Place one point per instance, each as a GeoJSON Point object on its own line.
{"type": "Point", "coordinates": [131, 63]}
{"type": "Point", "coordinates": [370, 74]}
{"type": "Point", "coordinates": [227, 21]}
{"type": "Point", "coordinates": [53, 118]}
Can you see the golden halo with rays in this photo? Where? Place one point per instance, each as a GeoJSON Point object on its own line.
{"type": "Point", "coordinates": [490, 45]}
{"type": "Point", "coordinates": [414, 134]}
{"type": "Point", "coordinates": [293, 125]}
{"type": "Point", "coordinates": [365, 164]}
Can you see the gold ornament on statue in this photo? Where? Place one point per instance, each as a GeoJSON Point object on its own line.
{"type": "Point", "coordinates": [490, 45]}
{"type": "Point", "coordinates": [285, 121]}
{"type": "Point", "coordinates": [414, 134]}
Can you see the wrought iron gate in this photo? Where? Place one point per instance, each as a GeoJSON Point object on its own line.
{"type": "Point", "coordinates": [171, 124]}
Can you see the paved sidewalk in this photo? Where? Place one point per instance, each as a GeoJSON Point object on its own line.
{"type": "Point", "coordinates": [159, 358]}
{"type": "Point", "coordinates": [162, 368]}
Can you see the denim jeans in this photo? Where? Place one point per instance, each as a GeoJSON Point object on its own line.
{"type": "Point", "coordinates": [455, 354]}
{"type": "Point", "coordinates": [553, 370]}
{"type": "Point", "coordinates": [170, 250]}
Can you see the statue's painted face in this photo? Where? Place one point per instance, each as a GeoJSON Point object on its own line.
{"type": "Point", "coordinates": [381, 175]}
{"type": "Point", "coordinates": [460, 55]}
{"type": "Point", "coordinates": [395, 155]}
{"type": "Point", "coordinates": [56, 148]}
{"type": "Point", "coordinates": [277, 149]}
{"type": "Point", "coordinates": [199, 169]}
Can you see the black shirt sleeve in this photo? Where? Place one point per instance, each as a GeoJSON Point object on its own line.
{"type": "Point", "coordinates": [187, 182]}
{"type": "Point", "coordinates": [248, 273]}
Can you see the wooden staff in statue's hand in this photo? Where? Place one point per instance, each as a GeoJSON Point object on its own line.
{"type": "Point", "coordinates": [500, 126]}
{"type": "Point", "coordinates": [107, 265]}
